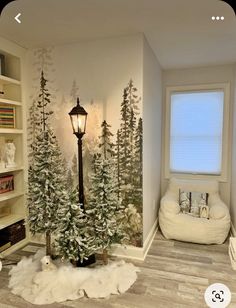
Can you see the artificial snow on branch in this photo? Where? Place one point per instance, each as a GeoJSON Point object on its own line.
{"type": "Point", "coordinates": [47, 191]}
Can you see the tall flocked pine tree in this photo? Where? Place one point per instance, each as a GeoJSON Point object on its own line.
{"type": "Point", "coordinates": [103, 206]}
{"type": "Point", "coordinates": [46, 185]}
{"type": "Point", "coordinates": [32, 127]}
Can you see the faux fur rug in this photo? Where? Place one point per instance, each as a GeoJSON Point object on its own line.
{"type": "Point", "coordinates": [65, 282]}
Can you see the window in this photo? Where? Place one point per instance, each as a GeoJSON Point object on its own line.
{"type": "Point", "coordinates": [196, 140]}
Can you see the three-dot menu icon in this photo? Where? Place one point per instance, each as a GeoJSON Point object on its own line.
{"type": "Point", "coordinates": [217, 18]}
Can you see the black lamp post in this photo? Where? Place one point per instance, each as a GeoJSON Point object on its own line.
{"type": "Point", "coordinates": [78, 117]}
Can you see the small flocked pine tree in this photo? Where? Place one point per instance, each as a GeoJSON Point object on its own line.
{"type": "Point", "coordinates": [46, 185]}
{"type": "Point", "coordinates": [104, 207]}
{"type": "Point", "coordinates": [73, 241]}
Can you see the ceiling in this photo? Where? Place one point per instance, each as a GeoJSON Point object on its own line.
{"type": "Point", "coordinates": [181, 32]}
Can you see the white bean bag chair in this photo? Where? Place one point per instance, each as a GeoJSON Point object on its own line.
{"type": "Point", "coordinates": [183, 227]}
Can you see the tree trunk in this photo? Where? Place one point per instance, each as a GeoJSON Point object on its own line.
{"type": "Point", "coordinates": [74, 263]}
{"type": "Point", "coordinates": [48, 243]}
{"type": "Point", "coordinates": [105, 257]}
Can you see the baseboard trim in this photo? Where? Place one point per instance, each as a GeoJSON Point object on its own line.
{"type": "Point", "coordinates": [232, 230]}
{"type": "Point", "coordinates": [148, 242]}
{"type": "Point", "coordinates": [136, 253]}
{"type": "Point", "coordinates": [128, 251]}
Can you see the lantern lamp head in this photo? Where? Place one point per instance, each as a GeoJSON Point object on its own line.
{"type": "Point", "coordinates": [78, 117]}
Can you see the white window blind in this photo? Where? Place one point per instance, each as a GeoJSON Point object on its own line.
{"type": "Point", "coordinates": [196, 129]}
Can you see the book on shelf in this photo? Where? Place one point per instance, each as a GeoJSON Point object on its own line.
{"type": "Point", "coordinates": [6, 183]}
{"type": "Point", "coordinates": [7, 116]}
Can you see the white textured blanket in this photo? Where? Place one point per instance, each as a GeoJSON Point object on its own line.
{"type": "Point", "coordinates": [69, 283]}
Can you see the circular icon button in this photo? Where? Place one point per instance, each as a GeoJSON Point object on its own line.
{"type": "Point", "coordinates": [217, 295]}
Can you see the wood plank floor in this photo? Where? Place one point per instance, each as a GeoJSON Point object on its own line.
{"type": "Point", "coordinates": [174, 274]}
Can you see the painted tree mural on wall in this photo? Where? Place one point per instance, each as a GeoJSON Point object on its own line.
{"type": "Point", "coordinates": [129, 152]}
{"type": "Point", "coordinates": [126, 139]}
{"type": "Point", "coordinates": [138, 164]}
{"type": "Point", "coordinates": [120, 163]}
{"type": "Point", "coordinates": [126, 146]}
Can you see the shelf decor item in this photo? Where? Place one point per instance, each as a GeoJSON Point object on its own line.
{"type": "Point", "coordinates": [2, 147]}
{"type": "Point", "coordinates": [6, 183]}
{"type": "Point", "coordinates": [9, 154]}
{"type": "Point", "coordinates": [2, 65]}
{"type": "Point", "coordinates": [14, 233]}
{"type": "Point", "coordinates": [7, 116]}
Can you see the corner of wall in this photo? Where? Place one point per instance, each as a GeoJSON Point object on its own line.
{"type": "Point", "coordinates": [152, 118]}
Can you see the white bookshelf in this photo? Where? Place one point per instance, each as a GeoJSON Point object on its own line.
{"type": "Point", "coordinates": [11, 195]}
{"type": "Point", "coordinates": [6, 170]}
{"type": "Point", "coordinates": [13, 203]}
{"type": "Point", "coordinates": [10, 102]}
{"type": "Point", "coordinates": [7, 80]}
{"type": "Point", "coordinates": [11, 131]}
{"type": "Point", "coordinates": [9, 220]}
{"type": "Point", "coordinates": [13, 248]}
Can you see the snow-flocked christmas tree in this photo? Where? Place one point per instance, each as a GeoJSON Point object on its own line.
{"type": "Point", "coordinates": [47, 189]}
{"type": "Point", "coordinates": [104, 208]}
{"type": "Point", "coordinates": [73, 242]}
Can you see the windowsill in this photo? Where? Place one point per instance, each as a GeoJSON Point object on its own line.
{"type": "Point", "coordinates": [219, 178]}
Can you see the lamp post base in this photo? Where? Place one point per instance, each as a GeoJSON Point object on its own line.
{"type": "Point", "coordinates": [91, 260]}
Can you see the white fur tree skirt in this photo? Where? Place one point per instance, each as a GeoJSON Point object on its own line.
{"type": "Point", "coordinates": [68, 283]}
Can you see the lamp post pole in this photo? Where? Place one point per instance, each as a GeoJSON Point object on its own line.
{"type": "Point", "coordinates": [80, 171]}
{"type": "Point", "coordinates": [78, 118]}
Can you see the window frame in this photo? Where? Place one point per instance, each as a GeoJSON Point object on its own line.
{"type": "Point", "coordinates": [225, 87]}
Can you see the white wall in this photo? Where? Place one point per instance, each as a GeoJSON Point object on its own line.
{"type": "Point", "coordinates": [233, 180]}
{"type": "Point", "coordinates": [152, 118]}
{"type": "Point", "coordinates": [202, 75]}
{"type": "Point", "coordinates": [101, 69]}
